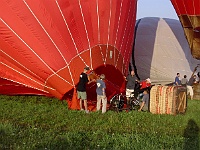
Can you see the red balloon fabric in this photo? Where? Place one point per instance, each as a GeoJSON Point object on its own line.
{"type": "Point", "coordinates": [45, 44]}
{"type": "Point", "coordinates": [188, 12]}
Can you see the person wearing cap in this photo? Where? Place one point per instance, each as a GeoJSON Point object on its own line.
{"type": "Point", "coordinates": [101, 95]}
{"type": "Point", "coordinates": [81, 89]}
{"type": "Point", "coordinates": [145, 84]}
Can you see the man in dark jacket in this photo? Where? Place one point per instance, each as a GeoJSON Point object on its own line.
{"type": "Point", "coordinates": [190, 86]}
{"type": "Point", "coordinates": [130, 86]}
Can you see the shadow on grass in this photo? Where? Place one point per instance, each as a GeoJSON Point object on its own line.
{"type": "Point", "coordinates": [191, 135]}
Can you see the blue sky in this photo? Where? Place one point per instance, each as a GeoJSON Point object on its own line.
{"type": "Point", "coordinates": [155, 8]}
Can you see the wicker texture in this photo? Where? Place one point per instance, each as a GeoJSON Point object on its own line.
{"type": "Point", "coordinates": [196, 89]}
{"type": "Point", "coordinates": [167, 100]}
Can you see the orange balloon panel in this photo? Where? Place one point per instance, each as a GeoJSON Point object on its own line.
{"type": "Point", "coordinates": [45, 44]}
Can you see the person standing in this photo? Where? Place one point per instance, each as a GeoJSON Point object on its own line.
{"type": "Point", "coordinates": [81, 89]}
{"type": "Point", "coordinates": [130, 86]}
{"type": "Point", "coordinates": [101, 95]}
{"type": "Point", "coordinates": [184, 81]}
{"type": "Point", "coordinates": [190, 83]}
{"type": "Point", "coordinates": [177, 80]}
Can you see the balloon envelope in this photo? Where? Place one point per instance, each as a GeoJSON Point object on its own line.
{"type": "Point", "coordinates": [44, 45]}
{"type": "Point", "coordinates": [161, 50]}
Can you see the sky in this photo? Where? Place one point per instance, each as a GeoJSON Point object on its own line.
{"type": "Point", "coordinates": [155, 8]}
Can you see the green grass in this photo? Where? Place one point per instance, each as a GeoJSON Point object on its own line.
{"type": "Point", "coordinates": [34, 122]}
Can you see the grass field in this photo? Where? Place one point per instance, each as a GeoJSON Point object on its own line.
{"type": "Point", "coordinates": [35, 122]}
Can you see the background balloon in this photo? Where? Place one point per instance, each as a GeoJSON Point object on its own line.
{"type": "Point", "coordinates": [161, 50]}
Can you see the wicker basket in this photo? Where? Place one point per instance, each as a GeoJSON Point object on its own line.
{"type": "Point", "coordinates": [168, 99]}
{"type": "Point", "coordinates": [196, 88]}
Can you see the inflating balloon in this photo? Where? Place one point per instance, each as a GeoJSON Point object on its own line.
{"type": "Point", "coordinates": [45, 44]}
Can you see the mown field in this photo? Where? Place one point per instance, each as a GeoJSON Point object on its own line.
{"type": "Point", "coordinates": [36, 123]}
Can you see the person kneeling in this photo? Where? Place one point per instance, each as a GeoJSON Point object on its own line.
{"type": "Point", "coordinates": [145, 101]}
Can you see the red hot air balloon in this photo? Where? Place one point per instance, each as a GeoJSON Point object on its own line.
{"type": "Point", "coordinates": [188, 12]}
{"type": "Point", "coordinates": [44, 45]}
